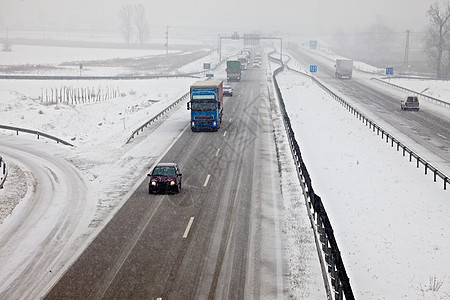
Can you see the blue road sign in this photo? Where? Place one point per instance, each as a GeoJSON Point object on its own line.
{"type": "Point", "coordinates": [313, 68]}
{"type": "Point", "coordinates": [389, 71]}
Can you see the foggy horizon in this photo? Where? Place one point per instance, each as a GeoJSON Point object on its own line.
{"type": "Point", "coordinates": [287, 17]}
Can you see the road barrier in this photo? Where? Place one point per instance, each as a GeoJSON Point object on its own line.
{"type": "Point", "coordinates": [155, 118]}
{"type": "Point", "coordinates": [334, 264]}
{"type": "Point", "coordinates": [3, 171]}
{"type": "Point", "coordinates": [436, 100]}
{"type": "Point", "coordinates": [98, 77]}
{"type": "Point", "coordinates": [384, 134]}
{"type": "Point", "coordinates": [38, 134]}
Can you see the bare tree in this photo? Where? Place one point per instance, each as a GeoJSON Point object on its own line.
{"type": "Point", "coordinates": [140, 21]}
{"type": "Point", "coordinates": [437, 36]}
{"type": "Point", "coordinates": [126, 22]}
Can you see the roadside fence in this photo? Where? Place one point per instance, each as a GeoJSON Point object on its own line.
{"type": "Point", "coordinates": [155, 118]}
{"type": "Point", "coordinates": [3, 171]}
{"type": "Point", "coordinates": [71, 95]}
{"type": "Point", "coordinates": [330, 250]}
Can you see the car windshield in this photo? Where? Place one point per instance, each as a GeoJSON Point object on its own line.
{"type": "Point", "coordinates": [164, 171]}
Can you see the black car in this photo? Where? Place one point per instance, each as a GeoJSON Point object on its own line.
{"type": "Point", "coordinates": [227, 90]}
{"type": "Point", "coordinates": [165, 177]}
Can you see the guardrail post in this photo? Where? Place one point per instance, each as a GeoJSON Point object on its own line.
{"type": "Point", "coordinates": [3, 172]}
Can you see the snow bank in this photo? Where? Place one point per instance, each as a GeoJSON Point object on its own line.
{"type": "Point", "coordinates": [388, 219]}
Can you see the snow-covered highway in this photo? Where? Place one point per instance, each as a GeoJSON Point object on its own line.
{"type": "Point", "coordinates": [44, 228]}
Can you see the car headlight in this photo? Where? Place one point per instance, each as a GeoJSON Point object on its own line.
{"type": "Point", "coordinates": [172, 182]}
{"type": "Point", "coordinates": [153, 183]}
{"type": "Point", "coordinates": [214, 123]}
{"type": "Point", "coordinates": [193, 124]}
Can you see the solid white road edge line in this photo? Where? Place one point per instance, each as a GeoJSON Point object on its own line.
{"type": "Point", "coordinates": [188, 228]}
{"type": "Point", "coordinates": [207, 179]}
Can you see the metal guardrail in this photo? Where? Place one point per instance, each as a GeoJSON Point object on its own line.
{"type": "Point", "coordinates": [3, 171]}
{"type": "Point", "coordinates": [413, 92]}
{"type": "Point", "coordinates": [130, 77]}
{"type": "Point", "coordinates": [38, 133]}
{"type": "Point", "coordinates": [384, 134]}
{"type": "Point", "coordinates": [335, 266]}
{"type": "Point", "coordinates": [155, 118]}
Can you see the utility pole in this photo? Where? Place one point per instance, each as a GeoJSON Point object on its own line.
{"type": "Point", "coordinates": [167, 41]}
{"type": "Point", "coordinates": [406, 58]}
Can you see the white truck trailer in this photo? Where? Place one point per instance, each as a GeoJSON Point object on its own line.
{"type": "Point", "coordinates": [344, 68]}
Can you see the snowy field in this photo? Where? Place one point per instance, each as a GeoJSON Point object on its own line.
{"type": "Point", "coordinates": [28, 54]}
{"type": "Point", "coordinates": [390, 221]}
{"type": "Point", "coordinates": [434, 88]}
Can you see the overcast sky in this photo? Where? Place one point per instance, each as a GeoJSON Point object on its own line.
{"type": "Point", "coordinates": [232, 15]}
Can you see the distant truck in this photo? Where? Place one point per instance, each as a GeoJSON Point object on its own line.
{"type": "Point", "coordinates": [233, 70]}
{"type": "Point", "coordinates": [344, 68]}
{"type": "Point", "coordinates": [206, 105]}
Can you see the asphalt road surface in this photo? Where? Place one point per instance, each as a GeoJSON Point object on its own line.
{"type": "Point", "coordinates": [220, 238]}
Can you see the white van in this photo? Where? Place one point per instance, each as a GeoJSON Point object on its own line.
{"type": "Point", "coordinates": [410, 102]}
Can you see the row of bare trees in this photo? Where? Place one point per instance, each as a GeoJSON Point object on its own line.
{"type": "Point", "coordinates": [133, 20]}
{"type": "Point", "coordinates": [438, 38]}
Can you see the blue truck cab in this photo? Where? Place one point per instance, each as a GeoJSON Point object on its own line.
{"type": "Point", "coordinates": [206, 105]}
